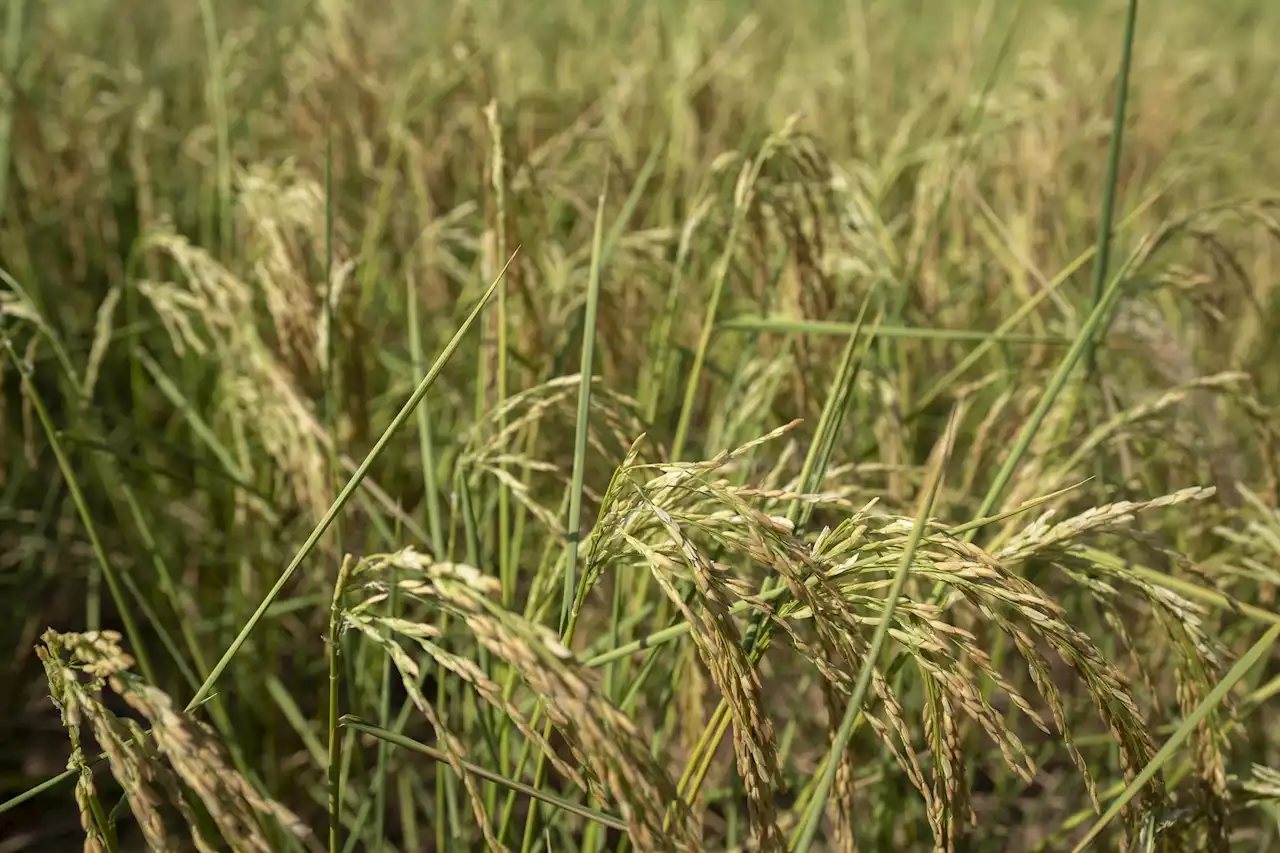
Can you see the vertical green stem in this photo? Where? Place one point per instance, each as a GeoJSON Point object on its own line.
{"type": "Point", "coordinates": [1102, 259]}
{"type": "Point", "coordinates": [574, 521]}
{"type": "Point", "coordinates": [335, 742]}
{"type": "Point", "coordinates": [506, 561]}
{"type": "Point", "coordinates": [217, 96]}
{"type": "Point", "coordinates": [12, 54]}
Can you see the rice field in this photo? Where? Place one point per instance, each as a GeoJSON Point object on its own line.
{"type": "Point", "coordinates": [646, 427]}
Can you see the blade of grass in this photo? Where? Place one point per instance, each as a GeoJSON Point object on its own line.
{"type": "Point", "coordinates": [331, 371]}
{"type": "Point", "coordinates": [1175, 741]}
{"type": "Point", "coordinates": [296, 719]}
{"type": "Point", "coordinates": [1102, 259]}
{"type": "Point", "coordinates": [573, 524]}
{"type": "Point", "coordinates": [335, 744]}
{"type": "Point", "coordinates": [519, 787]}
{"type": "Point", "coordinates": [506, 561]}
{"type": "Point", "coordinates": [13, 31]}
{"type": "Point", "coordinates": [408, 813]}
{"type": "Point", "coordinates": [162, 633]}
{"type": "Point", "coordinates": [194, 420]}
{"type": "Point", "coordinates": [610, 243]}
{"type": "Point", "coordinates": [82, 508]}
{"type": "Point", "coordinates": [808, 828]}
{"type": "Point", "coordinates": [787, 325]}
{"type": "Point", "coordinates": [426, 444]}
{"type": "Point", "coordinates": [839, 399]}
{"type": "Point", "coordinates": [629, 205]}
{"type": "Point", "coordinates": [179, 607]}
{"type": "Point", "coordinates": [217, 96]}
{"type": "Point", "coordinates": [380, 780]}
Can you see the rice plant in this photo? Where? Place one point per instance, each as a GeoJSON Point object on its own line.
{"type": "Point", "coordinates": [639, 427]}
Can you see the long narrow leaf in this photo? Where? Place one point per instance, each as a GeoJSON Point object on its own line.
{"type": "Point", "coordinates": [1175, 741]}
{"type": "Point", "coordinates": [488, 775]}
